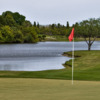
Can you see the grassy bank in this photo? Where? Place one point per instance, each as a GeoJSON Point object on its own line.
{"type": "Point", "coordinates": [63, 38]}
{"type": "Point", "coordinates": [87, 67]}
{"type": "Point", "coordinates": [44, 89]}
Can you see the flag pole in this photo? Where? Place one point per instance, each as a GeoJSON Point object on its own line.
{"type": "Point", "coordinates": [71, 37]}
{"type": "Point", "coordinates": [73, 63]}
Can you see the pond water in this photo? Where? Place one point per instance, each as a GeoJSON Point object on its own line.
{"type": "Point", "coordinates": [39, 56]}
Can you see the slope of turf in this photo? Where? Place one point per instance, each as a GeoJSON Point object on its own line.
{"type": "Point", "coordinates": [47, 89]}
{"type": "Point", "coordinates": [86, 67]}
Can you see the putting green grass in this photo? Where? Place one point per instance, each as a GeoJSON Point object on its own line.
{"type": "Point", "coordinates": [86, 67]}
{"type": "Point", "coordinates": [47, 89]}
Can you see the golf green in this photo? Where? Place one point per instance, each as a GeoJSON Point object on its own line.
{"type": "Point", "coordinates": [48, 89]}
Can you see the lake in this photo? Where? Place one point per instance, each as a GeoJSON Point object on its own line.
{"type": "Point", "coordinates": [39, 56]}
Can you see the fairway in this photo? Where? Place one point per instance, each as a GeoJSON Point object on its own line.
{"type": "Point", "coordinates": [48, 89]}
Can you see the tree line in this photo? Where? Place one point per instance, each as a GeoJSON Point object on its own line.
{"type": "Point", "coordinates": [14, 28]}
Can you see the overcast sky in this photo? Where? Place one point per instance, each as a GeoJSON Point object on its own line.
{"type": "Point", "coordinates": [53, 11]}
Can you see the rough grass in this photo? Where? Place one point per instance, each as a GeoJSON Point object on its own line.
{"type": "Point", "coordinates": [86, 67]}
{"type": "Point", "coordinates": [47, 89]}
{"type": "Point", "coordinates": [64, 38]}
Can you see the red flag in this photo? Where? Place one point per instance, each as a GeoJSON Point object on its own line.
{"type": "Point", "coordinates": [71, 35]}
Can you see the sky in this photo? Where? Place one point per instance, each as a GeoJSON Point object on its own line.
{"type": "Point", "coordinates": [53, 11]}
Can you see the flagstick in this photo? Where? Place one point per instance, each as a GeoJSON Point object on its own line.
{"type": "Point", "coordinates": [73, 63]}
{"type": "Point", "coordinates": [71, 37]}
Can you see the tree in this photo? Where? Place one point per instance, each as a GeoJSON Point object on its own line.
{"type": "Point", "coordinates": [53, 26]}
{"type": "Point", "coordinates": [67, 24]}
{"type": "Point", "coordinates": [59, 25]}
{"type": "Point", "coordinates": [2, 21]}
{"type": "Point", "coordinates": [89, 30]}
{"type": "Point", "coordinates": [9, 20]}
{"type": "Point", "coordinates": [1, 38]}
{"type": "Point", "coordinates": [40, 38]}
{"type": "Point", "coordinates": [18, 36]}
{"type": "Point", "coordinates": [38, 26]}
{"type": "Point", "coordinates": [6, 34]}
{"type": "Point", "coordinates": [34, 24]}
{"type": "Point", "coordinates": [4, 14]}
{"type": "Point", "coordinates": [30, 35]}
{"type": "Point", "coordinates": [43, 36]}
{"type": "Point", "coordinates": [18, 18]}
{"type": "Point", "coordinates": [27, 23]}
